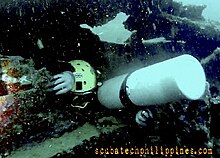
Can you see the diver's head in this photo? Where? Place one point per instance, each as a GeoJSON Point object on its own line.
{"type": "Point", "coordinates": [85, 77]}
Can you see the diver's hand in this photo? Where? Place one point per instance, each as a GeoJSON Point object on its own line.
{"type": "Point", "coordinates": [142, 117]}
{"type": "Point", "coordinates": [62, 83]}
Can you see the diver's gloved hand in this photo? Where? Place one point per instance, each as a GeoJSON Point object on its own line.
{"type": "Point", "coordinates": [142, 117]}
{"type": "Point", "coordinates": [62, 83]}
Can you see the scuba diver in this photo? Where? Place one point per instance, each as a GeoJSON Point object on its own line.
{"type": "Point", "coordinates": [81, 81]}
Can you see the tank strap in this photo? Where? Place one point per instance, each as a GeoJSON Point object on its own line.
{"type": "Point", "coordinates": [123, 95]}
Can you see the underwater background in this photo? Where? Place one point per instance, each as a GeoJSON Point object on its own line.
{"type": "Point", "coordinates": [38, 37]}
{"type": "Point", "coordinates": [211, 11]}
